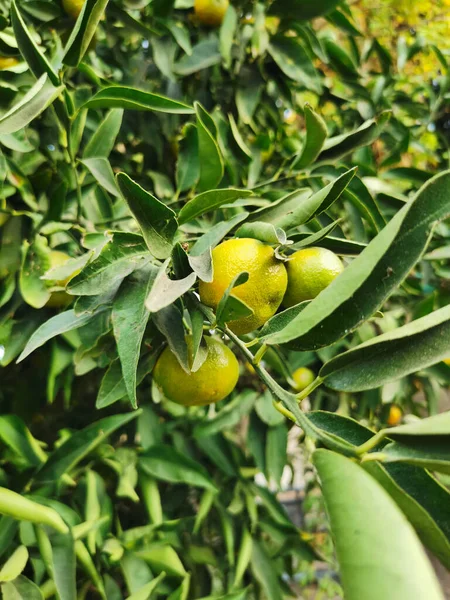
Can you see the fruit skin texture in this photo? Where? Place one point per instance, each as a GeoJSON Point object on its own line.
{"type": "Point", "coordinates": [59, 299]}
{"type": "Point", "coordinates": [73, 7]}
{"type": "Point", "coordinates": [212, 382]}
{"type": "Point", "coordinates": [211, 12]}
{"type": "Point", "coordinates": [303, 377]}
{"type": "Point", "coordinates": [264, 290]}
{"type": "Point", "coordinates": [310, 271]}
{"type": "Point", "coordinates": [6, 62]}
{"type": "Point", "coordinates": [395, 416]}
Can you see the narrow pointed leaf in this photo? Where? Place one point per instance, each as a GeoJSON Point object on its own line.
{"type": "Point", "coordinates": [211, 161]}
{"type": "Point", "coordinates": [129, 318]}
{"type": "Point", "coordinates": [84, 31]}
{"type": "Point", "coordinates": [157, 221]}
{"type": "Point", "coordinates": [208, 201]}
{"type": "Point", "coordinates": [366, 283]}
{"type": "Point", "coordinates": [316, 134]}
{"type": "Point", "coordinates": [388, 561]}
{"type": "Point", "coordinates": [134, 99]}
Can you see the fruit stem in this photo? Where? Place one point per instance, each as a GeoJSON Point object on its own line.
{"type": "Point", "coordinates": [283, 410]}
{"type": "Point", "coordinates": [259, 354]}
{"type": "Point", "coordinates": [370, 444]}
{"type": "Point", "coordinates": [311, 387]}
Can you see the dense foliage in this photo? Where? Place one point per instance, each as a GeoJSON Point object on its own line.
{"type": "Point", "coordinates": [133, 141]}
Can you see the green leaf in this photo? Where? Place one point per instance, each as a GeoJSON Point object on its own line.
{"type": "Point", "coordinates": [37, 61]}
{"type": "Point", "coordinates": [392, 355]}
{"type": "Point", "coordinates": [124, 253]}
{"type": "Point", "coordinates": [228, 416]}
{"type": "Point", "coordinates": [433, 455]}
{"type": "Point", "coordinates": [146, 591]}
{"type": "Point", "coordinates": [294, 61]}
{"type": "Point", "coordinates": [264, 572]}
{"type": "Point", "coordinates": [316, 204]}
{"type": "Point", "coordinates": [208, 201]}
{"type": "Point", "coordinates": [66, 321]}
{"type": "Point", "coordinates": [340, 61]}
{"type": "Point", "coordinates": [230, 307]}
{"type": "Point", "coordinates": [15, 564]}
{"type": "Point", "coordinates": [162, 557]}
{"type": "Point", "coordinates": [316, 134]}
{"type": "Point", "coordinates": [79, 445]}
{"type": "Point", "coordinates": [279, 209]}
{"type": "Point", "coordinates": [388, 560]}
{"type": "Point", "coordinates": [15, 434]}
{"type": "Point", "coordinates": [103, 140]}
{"type": "Point", "coordinates": [35, 262]}
{"type": "Point", "coordinates": [167, 464]}
{"type": "Point", "coordinates": [210, 157]}
{"type": "Point", "coordinates": [188, 163]}
{"type": "Point", "coordinates": [21, 589]}
{"type": "Point", "coordinates": [182, 592]}
{"type": "Point", "coordinates": [227, 34]}
{"type": "Point", "coordinates": [169, 321]}
{"type": "Point", "coordinates": [276, 452]}
{"type": "Point", "coordinates": [102, 172]}
{"type": "Point", "coordinates": [83, 31]}
{"type": "Point", "coordinates": [341, 145]}
{"type": "Point", "coordinates": [204, 54]}
{"type": "Point", "coordinates": [215, 234]}
{"type": "Point", "coordinates": [303, 9]}
{"type": "Point", "coordinates": [129, 318]}
{"type": "Point", "coordinates": [132, 99]}
{"type": "Point", "coordinates": [423, 500]}
{"type": "Point", "coordinates": [165, 291]}
{"type": "Point", "coordinates": [364, 285]}
{"type": "Point", "coordinates": [265, 232]}
{"type": "Point", "coordinates": [64, 566]}
{"type": "Point", "coordinates": [157, 221]}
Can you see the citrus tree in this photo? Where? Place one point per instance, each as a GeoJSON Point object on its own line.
{"type": "Point", "coordinates": [223, 227]}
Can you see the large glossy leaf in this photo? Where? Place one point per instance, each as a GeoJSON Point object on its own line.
{"type": "Point", "coordinates": [129, 318]}
{"type": "Point", "coordinates": [66, 321]}
{"type": "Point", "coordinates": [303, 9]}
{"type": "Point", "coordinates": [35, 101]}
{"type": "Point", "coordinates": [167, 464]}
{"type": "Point", "coordinates": [35, 262]}
{"type": "Point", "coordinates": [229, 416]}
{"type": "Point", "coordinates": [84, 31]}
{"type": "Point", "coordinates": [102, 141]}
{"type": "Point", "coordinates": [388, 560]}
{"type": "Point", "coordinates": [21, 589]}
{"type": "Point", "coordinates": [165, 291]}
{"type": "Point", "coordinates": [432, 454]}
{"type": "Point", "coordinates": [210, 157]}
{"type": "Point", "coordinates": [133, 99]}
{"type": "Point", "coordinates": [15, 435]}
{"type": "Point", "coordinates": [188, 163]}
{"type": "Point", "coordinates": [124, 253]}
{"type": "Point", "coordinates": [208, 201]}
{"type": "Point", "coordinates": [341, 145]}
{"type": "Point", "coordinates": [37, 61]}
{"type": "Point", "coordinates": [365, 284]}
{"type": "Point", "coordinates": [294, 61]}
{"type": "Point", "coordinates": [392, 355]}
{"type": "Point", "coordinates": [69, 454]}
{"type": "Point", "coordinates": [316, 134]}
{"type": "Point", "coordinates": [424, 501]}
{"type": "Point", "coordinates": [157, 221]}
{"type": "Point", "coordinates": [64, 566]}
{"type": "Point", "coordinates": [280, 209]}
{"type": "Point", "coordinates": [263, 569]}
{"type": "Point", "coordinates": [204, 54]}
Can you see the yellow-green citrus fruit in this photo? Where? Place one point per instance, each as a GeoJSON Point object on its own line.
{"type": "Point", "coordinates": [309, 272]}
{"type": "Point", "coordinates": [211, 12]}
{"type": "Point", "coordinates": [303, 377]}
{"type": "Point", "coordinates": [394, 416]}
{"type": "Point", "coordinates": [447, 361]}
{"type": "Point", "coordinates": [73, 7]}
{"type": "Point", "coordinates": [262, 292]}
{"type": "Point", "coordinates": [7, 62]}
{"type": "Point", "coordinates": [59, 299]}
{"type": "Point", "coordinates": [212, 382]}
